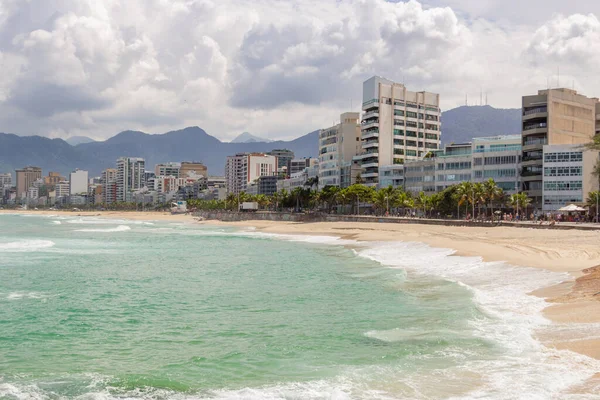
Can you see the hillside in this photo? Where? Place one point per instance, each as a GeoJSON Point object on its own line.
{"type": "Point", "coordinates": [461, 124]}
{"type": "Point", "coordinates": [194, 144]}
{"type": "Point", "coordinates": [191, 144]}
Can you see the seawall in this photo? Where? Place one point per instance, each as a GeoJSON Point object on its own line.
{"type": "Point", "coordinates": [229, 216]}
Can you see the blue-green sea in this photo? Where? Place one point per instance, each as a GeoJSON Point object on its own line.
{"type": "Point", "coordinates": [108, 309]}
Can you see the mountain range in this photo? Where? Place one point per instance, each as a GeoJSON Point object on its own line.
{"type": "Point", "coordinates": [194, 144]}
{"type": "Point", "coordinates": [247, 137]}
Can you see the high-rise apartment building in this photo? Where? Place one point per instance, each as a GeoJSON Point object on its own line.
{"type": "Point", "coordinates": [245, 168]}
{"type": "Point", "coordinates": [397, 125]}
{"type": "Point", "coordinates": [338, 145]}
{"type": "Point", "coordinates": [192, 168]}
{"type": "Point", "coordinates": [552, 117]}
{"type": "Point", "coordinates": [5, 180]}
{"type": "Point", "coordinates": [130, 176]}
{"type": "Point", "coordinates": [25, 179]}
{"type": "Point", "coordinates": [109, 185]}
{"type": "Point", "coordinates": [284, 156]}
{"type": "Point", "coordinates": [167, 169]}
{"type": "Point", "coordinates": [78, 180]}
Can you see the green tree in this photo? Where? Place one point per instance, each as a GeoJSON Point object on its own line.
{"type": "Point", "coordinates": [593, 201]}
{"type": "Point", "coordinates": [519, 202]}
{"type": "Point", "coordinates": [492, 192]}
{"type": "Point", "coordinates": [359, 193]}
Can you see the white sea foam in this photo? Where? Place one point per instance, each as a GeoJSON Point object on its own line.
{"type": "Point", "coordinates": [120, 228]}
{"type": "Point", "coordinates": [26, 245]}
{"type": "Point", "coordinates": [56, 222]}
{"type": "Point", "coordinates": [25, 295]}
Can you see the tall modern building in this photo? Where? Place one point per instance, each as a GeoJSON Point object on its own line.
{"type": "Point", "coordinates": [25, 179]}
{"type": "Point", "coordinates": [284, 156]}
{"type": "Point", "coordinates": [109, 185]}
{"type": "Point", "coordinates": [398, 125]}
{"type": "Point", "coordinates": [78, 180]}
{"type": "Point", "coordinates": [130, 176]}
{"type": "Point", "coordinates": [193, 168]}
{"type": "Point", "coordinates": [552, 117]}
{"type": "Point", "coordinates": [245, 168]}
{"type": "Point", "coordinates": [338, 145]}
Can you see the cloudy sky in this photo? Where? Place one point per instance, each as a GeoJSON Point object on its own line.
{"type": "Point", "coordinates": [275, 68]}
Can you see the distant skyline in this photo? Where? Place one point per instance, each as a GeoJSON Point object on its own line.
{"type": "Point", "coordinates": [277, 69]}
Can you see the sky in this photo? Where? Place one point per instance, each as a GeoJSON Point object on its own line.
{"type": "Point", "coordinates": [275, 68]}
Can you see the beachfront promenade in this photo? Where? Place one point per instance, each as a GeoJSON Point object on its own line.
{"type": "Point", "coordinates": [229, 216]}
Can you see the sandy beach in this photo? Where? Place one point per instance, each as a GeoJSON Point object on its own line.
{"type": "Point", "coordinates": [573, 302]}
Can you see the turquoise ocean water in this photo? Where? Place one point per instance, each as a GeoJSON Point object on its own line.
{"type": "Point", "coordinates": [101, 309]}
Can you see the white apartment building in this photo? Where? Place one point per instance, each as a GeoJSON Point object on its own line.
{"type": "Point", "coordinates": [167, 169]}
{"type": "Point", "coordinates": [167, 184]}
{"type": "Point", "coordinates": [79, 182]}
{"type": "Point", "coordinates": [499, 158]}
{"type": "Point", "coordinates": [109, 185]}
{"type": "Point", "coordinates": [5, 180]}
{"type": "Point", "coordinates": [338, 145]}
{"type": "Point", "coordinates": [62, 189]}
{"type": "Point", "coordinates": [398, 125]}
{"type": "Point", "coordinates": [130, 176]}
{"type": "Point", "coordinates": [567, 175]}
{"type": "Point", "coordinates": [244, 168]}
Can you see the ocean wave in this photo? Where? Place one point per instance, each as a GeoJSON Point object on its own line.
{"type": "Point", "coordinates": [120, 228]}
{"type": "Point", "coordinates": [26, 245]}
{"type": "Point", "coordinates": [25, 295]}
{"type": "Point", "coordinates": [56, 222]}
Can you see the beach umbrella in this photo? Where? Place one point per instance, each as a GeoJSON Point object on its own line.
{"type": "Point", "coordinates": [571, 207]}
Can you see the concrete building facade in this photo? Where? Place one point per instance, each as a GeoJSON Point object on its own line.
{"type": "Point", "coordinates": [567, 175]}
{"type": "Point", "coordinates": [5, 180]}
{"type": "Point", "coordinates": [398, 125]}
{"type": "Point", "coordinates": [130, 176]}
{"type": "Point", "coordinates": [78, 181]}
{"type": "Point", "coordinates": [191, 168]}
{"type": "Point", "coordinates": [167, 169]}
{"type": "Point", "coordinates": [338, 145]}
{"type": "Point", "coordinates": [284, 156]}
{"type": "Point", "coordinates": [499, 158]}
{"type": "Point", "coordinates": [244, 168]}
{"type": "Point", "coordinates": [552, 117]}
{"type": "Point", "coordinates": [25, 178]}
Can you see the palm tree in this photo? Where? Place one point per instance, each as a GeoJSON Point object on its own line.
{"type": "Point", "coordinates": [519, 201]}
{"type": "Point", "coordinates": [381, 201]}
{"type": "Point", "coordinates": [593, 200]}
{"type": "Point", "coordinates": [262, 200]}
{"type": "Point", "coordinates": [492, 192]}
{"type": "Point", "coordinates": [422, 201]}
{"type": "Point", "coordinates": [464, 194]}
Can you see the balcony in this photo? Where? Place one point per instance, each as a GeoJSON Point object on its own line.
{"type": "Point", "coordinates": [370, 175]}
{"type": "Point", "coordinates": [535, 112]}
{"type": "Point", "coordinates": [371, 114]}
{"type": "Point", "coordinates": [370, 134]}
{"type": "Point", "coordinates": [370, 124]}
{"type": "Point", "coordinates": [536, 128]}
{"type": "Point", "coordinates": [370, 104]}
{"type": "Point", "coordinates": [536, 144]}
{"type": "Point", "coordinates": [370, 164]}
{"type": "Point", "coordinates": [370, 145]}
{"type": "Point", "coordinates": [366, 155]}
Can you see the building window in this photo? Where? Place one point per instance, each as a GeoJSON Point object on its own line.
{"type": "Point", "coordinates": [399, 113]}
{"type": "Point", "coordinates": [410, 114]}
{"type": "Point", "coordinates": [398, 132]}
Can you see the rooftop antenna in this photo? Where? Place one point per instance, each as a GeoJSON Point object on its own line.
{"type": "Point", "coordinates": [486, 99]}
{"type": "Point", "coordinates": [480, 96]}
{"type": "Point", "coordinates": [466, 99]}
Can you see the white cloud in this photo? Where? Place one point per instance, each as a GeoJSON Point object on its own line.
{"type": "Point", "coordinates": [274, 68]}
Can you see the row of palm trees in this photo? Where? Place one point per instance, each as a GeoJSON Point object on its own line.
{"type": "Point", "coordinates": [465, 196]}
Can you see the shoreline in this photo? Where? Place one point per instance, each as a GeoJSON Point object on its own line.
{"type": "Point", "coordinates": [574, 301]}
